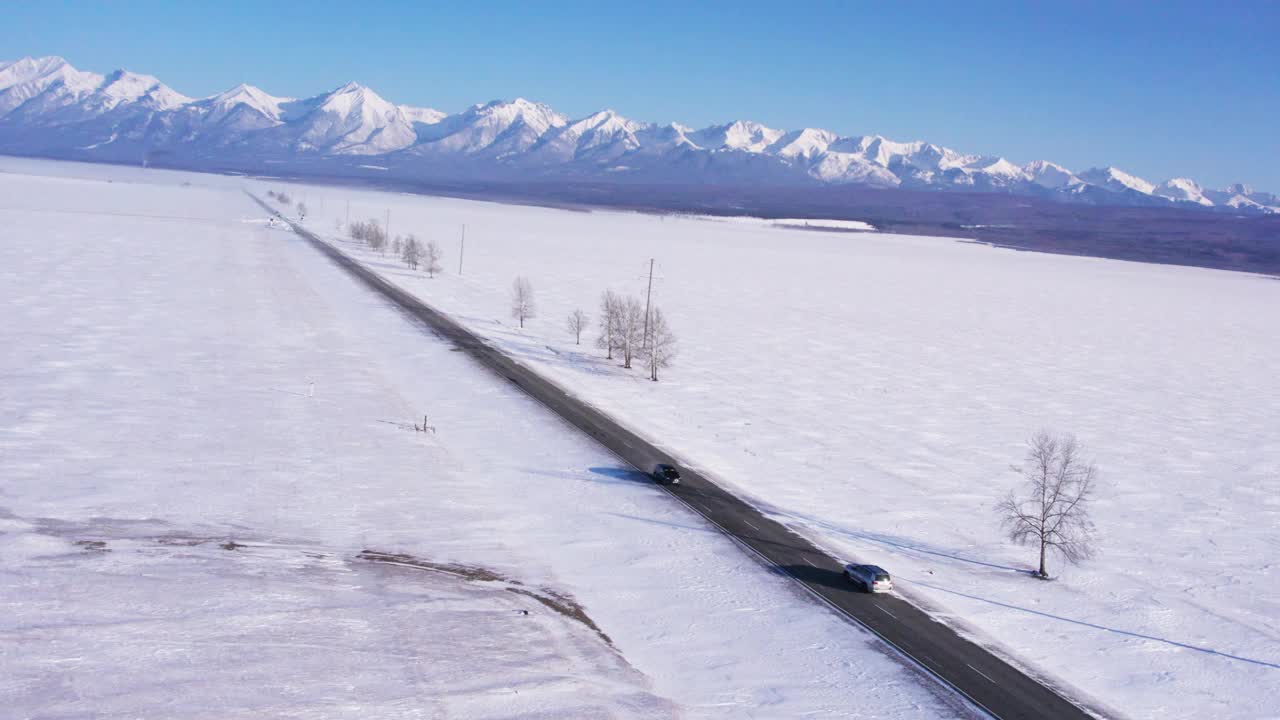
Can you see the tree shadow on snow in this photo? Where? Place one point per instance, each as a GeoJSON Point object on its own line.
{"type": "Point", "coordinates": [898, 542]}
{"type": "Point", "coordinates": [533, 350]}
{"type": "Point", "coordinates": [666, 523]}
{"type": "Point", "coordinates": [1104, 628]}
{"type": "Point", "coordinates": [913, 546]}
{"type": "Point", "coordinates": [525, 348]}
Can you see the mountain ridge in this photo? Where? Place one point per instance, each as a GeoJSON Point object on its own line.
{"type": "Point", "coordinates": [48, 107]}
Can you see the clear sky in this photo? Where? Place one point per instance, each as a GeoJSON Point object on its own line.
{"type": "Point", "coordinates": [1160, 89]}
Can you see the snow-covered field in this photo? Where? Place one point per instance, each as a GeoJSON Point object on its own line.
{"type": "Point", "coordinates": [872, 391]}
{"type": "Point", "coordinates": [203, 425]}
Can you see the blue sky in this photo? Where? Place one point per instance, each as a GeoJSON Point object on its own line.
{"type": "Point", "coordinates": [1158, 89]}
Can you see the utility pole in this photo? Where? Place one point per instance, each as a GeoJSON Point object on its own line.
{"type": "Point", "coordinates": [647, 297]}
{"type": "Point", "coordinates": [388, 224]}
{"type": "Point", "coordinates": [348, 215]}
{"type": "Point", "coordinates": [462, 248]}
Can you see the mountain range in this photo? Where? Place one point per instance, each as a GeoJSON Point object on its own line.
{"type": "Point", "coordinates": [49, 108]}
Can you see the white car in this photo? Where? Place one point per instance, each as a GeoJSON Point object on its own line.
{"type": "Point", "coordinates": [872, 578]}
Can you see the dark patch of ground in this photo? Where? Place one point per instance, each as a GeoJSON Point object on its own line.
{"type": "Point", "coordinates": [557, 601]}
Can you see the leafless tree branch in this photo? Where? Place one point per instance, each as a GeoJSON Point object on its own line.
{"type": "Point", "coordinates": [1052, 509]}
{"type": "Point", "coordinates": [522, 299]}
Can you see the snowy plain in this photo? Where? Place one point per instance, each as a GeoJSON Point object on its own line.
{"type": "Point", "coordinates": [203, 426]}
{"type": "Point", "coordinates": [872, 391]}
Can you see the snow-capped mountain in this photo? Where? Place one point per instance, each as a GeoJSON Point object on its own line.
{"type": "Point", "coordinates": [740, 135]}
{"type": "Point", "coordinates": [44, 79]}
{"type": "Point", "coordinates": [242, 99]}
{"type": "Point", "coordinates": [806, 143]}
{"type": "Point", "coordinates": [422, 116]}
{"type": "Point", "coordinates": [1110, 178]}
{"type": "Point", "coordinates": [601, 136]}
{"type": "Point", "coordinates": [1183, 190]}
{"type": "Point", "coordinates": [493, 130]}
{"type": "Point", "coordinates": [125, 88]}
{"type": "Point", "coordinates": [1050, 175]}
{"type": "Point", "coordinates": [352, 120]}
{"type": "Point", "coordinates": [48, 107]}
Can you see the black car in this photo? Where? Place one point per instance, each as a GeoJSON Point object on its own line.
{"type": "Point", "coordinates": [666, 474]}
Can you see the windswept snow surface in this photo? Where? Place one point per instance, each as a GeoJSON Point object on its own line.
{"type": "Point", "coordinates": [872, 390]}
{"type": "Point", "coordinates": [203, 423]}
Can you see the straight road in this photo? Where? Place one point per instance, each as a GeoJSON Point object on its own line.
{"type": "Point", "coordinates": [988, 682]}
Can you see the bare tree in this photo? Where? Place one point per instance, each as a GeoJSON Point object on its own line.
{"type": "Point", "coordinates": [357, 230]}
{"type": "Point", "coordinates": [1053, 510]}
{"type": "Point", "coordinates": [610, 313]}
{"type": "Point", "coordinates": [397, 247]}
{"type": "Point", "coordinates": [630, 329]}
{"type": "Point", "coordinates": [375, 236]}
{"type": "Point", "coordinates": [432, 256]}
{"type": "Point", "coordinates": [522, 300]}
{"type": "Point", "coordinates": [410, 252]}
{"type": "Point", "coordinates": [662, 343]}
{"type": "Point", "coordinates": [302, 210]}
{"type": "Point", "coordinates": [577, 323]}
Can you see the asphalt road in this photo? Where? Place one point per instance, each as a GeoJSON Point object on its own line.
{"type": "Point", "coordinates": [986, 681]}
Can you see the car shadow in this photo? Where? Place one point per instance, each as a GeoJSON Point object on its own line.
{"type": "Point", "coordinates": [622, 473]}
{"type": "Point", "coordinates": [596, 474]}
{"type": "Point", "coordinates": [824, 577]}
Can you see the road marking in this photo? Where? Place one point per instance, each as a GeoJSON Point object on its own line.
{"type": "Point", "coordinates": [886, 612]}
{"type": "Point", "coordinates": [981, 673]}
{"type": "Point", "coordinates": [810, 562]}
{"type": "Point", "coordinates": [753, 527]}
